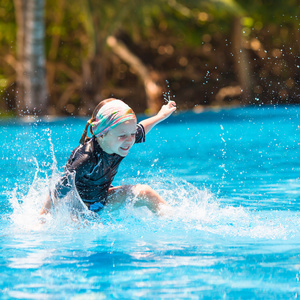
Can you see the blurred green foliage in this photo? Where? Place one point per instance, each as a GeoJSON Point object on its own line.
{"type": "Point", "coordinates": [189, 42]}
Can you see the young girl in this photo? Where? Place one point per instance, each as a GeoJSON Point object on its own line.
{"type": "Point", "coordinates": [94, 163]}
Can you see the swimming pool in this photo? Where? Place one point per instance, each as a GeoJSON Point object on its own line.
{"type": "Point", "coordinates": [231, 177]}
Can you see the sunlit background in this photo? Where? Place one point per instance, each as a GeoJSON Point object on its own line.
{"type": "Point", "coordinates": [62, 57]}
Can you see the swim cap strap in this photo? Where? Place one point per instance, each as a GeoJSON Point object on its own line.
{"type": "Point", "coordinates": [82, 139]}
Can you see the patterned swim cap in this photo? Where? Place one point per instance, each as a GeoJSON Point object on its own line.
{"type": "Point", "coordinates": [111, 115]}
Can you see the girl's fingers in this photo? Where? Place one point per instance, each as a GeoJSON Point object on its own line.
{"type": "Point", "coordinates": [172, 104]}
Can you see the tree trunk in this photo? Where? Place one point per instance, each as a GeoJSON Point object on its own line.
{"type": "Point", "coordinates": [20, 12]}
{"type": "Point", "coordinates": [151, 79]}
{"type": "Point", "coordinates": [241, 61]}
{"type": "Point", "coordinates": [31, 73]}
{"type": "Point", "coordinates": [54, 46]}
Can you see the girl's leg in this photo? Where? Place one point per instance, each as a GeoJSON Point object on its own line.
{"type": "Point", "coordinates": [145, 195]}
{"type": "Point", "coordinates": [148, 197]}
{"type": "Point", "coordinates": [117, 196]}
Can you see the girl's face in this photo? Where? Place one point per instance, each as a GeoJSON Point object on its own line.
{"type": "Point", "coordinates": [119, 139]}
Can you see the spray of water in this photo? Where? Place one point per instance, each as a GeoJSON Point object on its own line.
{"type": "Point", "coordinates": [222, 166]}
{"type": "Point", "coordinates": [167, 95]}
{"type": "Point", "coordinates": [192, 211]}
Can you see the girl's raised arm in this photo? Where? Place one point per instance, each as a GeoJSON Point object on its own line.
{"type": "Point", "coordinates": [164, 113]}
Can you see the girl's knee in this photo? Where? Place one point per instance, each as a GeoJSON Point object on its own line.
{"type": "Point", "coordinates": [143, 190]}
{"type": "Point", "coordinates": [148, 197]}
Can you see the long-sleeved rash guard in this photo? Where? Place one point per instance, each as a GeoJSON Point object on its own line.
{"type": "Point", "coordinates": [94, 170]}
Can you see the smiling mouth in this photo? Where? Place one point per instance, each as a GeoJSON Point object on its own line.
{"type": "Point", "coordinates": [125, 149]}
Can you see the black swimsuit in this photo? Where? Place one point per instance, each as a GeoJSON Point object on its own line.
{"type": "Point", "coordinates": [94, 171]}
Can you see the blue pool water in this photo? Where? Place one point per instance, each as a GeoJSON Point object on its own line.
{"type": "Point", "coordinates": [233, 232]}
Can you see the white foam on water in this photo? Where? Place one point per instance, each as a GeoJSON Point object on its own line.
{"type": "Point", "coordinates": [192, 211]}
{"type": "Point", "coordinates": [27, 205]}
{"type": "Point", "coordinates": [198, 210]}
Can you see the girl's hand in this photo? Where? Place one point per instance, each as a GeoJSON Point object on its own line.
{"type": "Point", "coordinates": [164, 113]}
{"type": "Point", "coordinates": [167, 110]}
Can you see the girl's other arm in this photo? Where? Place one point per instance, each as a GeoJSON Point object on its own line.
{"type": "Point", "coordinates": [73, 170]}
{"type": "Point", "coordinates": [163, 114]}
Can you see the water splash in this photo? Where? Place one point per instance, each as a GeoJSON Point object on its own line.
{"type": "Point", "coordinates": [168, 97]}
{"type": "Point", "coordinates": [222, 166]}
{"type": "Point", "coordinates": [27, 203]}
{"type": "Point", "coordinates": [193, 212]}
